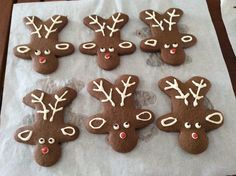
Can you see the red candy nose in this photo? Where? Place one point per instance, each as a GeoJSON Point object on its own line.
{"type": "Point", "coordinates": [44, 150]}
{"type": "Point", "coordinates": [107, 55]}
{"type": "Point", "coordinates": [42, 59]}
{"type": "Point", "coordinates": [173, 51]}
{"type": "Point", "coordinates": [194, 135]}
{"type": "Point", "coordinates": [122, 135]}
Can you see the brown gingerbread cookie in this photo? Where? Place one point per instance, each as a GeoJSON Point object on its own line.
{"type": "Point", "coordinates": [107, 45]}
{"type": "Point", "coordinates": [120, 118]}
{"type": "Point", "coordinates": [190, 117]}
{"type": "Point", "coordinates": [44, 48]}
{"type": "Point", "coordinates": [49, 130]}
{"type": "Point", "coordinates": [166, 37]}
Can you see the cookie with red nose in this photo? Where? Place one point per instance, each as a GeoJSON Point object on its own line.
{"type": "Point", "coordinates": [120, 118]}
{"type": "Point", "coordinates": [190, 116]}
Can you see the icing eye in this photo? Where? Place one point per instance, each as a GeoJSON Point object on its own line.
{"type": "Point", "coordinates": [41, 140]}
{"type": "Point", "coordinates": [116, 126]}
{"type": "Point", "coordinates": [198, 125]}
{"type": "Point", "coordinates": [111, 49]}
{"type": "Point", "coordinates": [37, 52]}
{"type": "Point", "coordinates": [47, 52]}
{"type": "Point", "coordinates": [166, 46]}
{"type": "Point", "coordinates": [51, 140]}
{"type": "Point", "coordinates": [187, 125]}
{"type": "Point", "coordinates": [175, 45]}
{"type": "Point", "coordinates": [102, 50]}
{"type": "Point", "coordinates": [126, 125]}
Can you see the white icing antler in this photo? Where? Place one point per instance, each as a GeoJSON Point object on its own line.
{"type": "Point", "coordinates": [123, 94]}
{"type": "Point", "coordinates": [100, 88]}
{"type": "Point", "coordinates": [181, 95]}
{"type": "Point", "coordinates": [37, 28]}
{"type": "Point", "coordinates": [170, 20]}
{"type": "Point", "coordinates": [55, 108]}
{"type": "Point", "coordinates": [50, 29]}
{"type": "Point", "coordinates": [196, 95]}
{"type": "Point", "coordinates": [40, 100]}
{"type": "Point", "coordinates": [101, 26]}
{"type": "Point", "coordinates": [153, 17]}
{"type": "Point", "coordinates": [113, 28]}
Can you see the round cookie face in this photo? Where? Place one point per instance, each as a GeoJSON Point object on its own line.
{"type": "Point", "coordinates": [189, 115]}
{"type": "Point", "coordinates": [166, 37]}
{"type": "Point", "coordinates": [49, 131]}
{"type": "Point", "coordinates": [44, 48]}
{"type": "Point", "coordinates": [108, 45]}
{"type": "Point", "coordinates": [120, 119]}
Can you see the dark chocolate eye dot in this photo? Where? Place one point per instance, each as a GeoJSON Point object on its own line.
{"type": "Point", "coordinates": [167, 46]}
{"type": "Point", "coordinates": [175, 45]}
{"type": "Point", "coordinates": [111, 49]}
{"type": "Point", "coordinates": [116, 126]}
{"type": "Point", "coordinates": [102, 50]}
{"type": "Point", "coordinates": [47, 52]}
{"type": "Point", "coordinates": [37, 52]}
{"type": "Point", "coordinates": [126, 125]}
{"type": "Point", "coordinates": [51, 140]}
{"type": "Point", "coordinates": [187, 125]}
{"type": "Point", "coordinates": [41, 140]}
{"type": "Point", "coordinates": [198, 125]}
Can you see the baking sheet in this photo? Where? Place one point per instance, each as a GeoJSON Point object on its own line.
{"type": "Point", "coordinates": [228, 10]}
{"type": "Point", "coordinates": [157, 153]}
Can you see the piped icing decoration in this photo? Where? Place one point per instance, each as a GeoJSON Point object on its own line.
{"type": "Point", "coordinates": [120, 117]}
{"type": "Point", "coordinates": [190, 116]}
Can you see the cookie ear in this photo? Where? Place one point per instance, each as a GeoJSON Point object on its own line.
{"type": "Point", "coordinates": [68, 133]}
{"type": "Point", "coordinates": [168, 123]}
{"type": "Point", "coordinates": [25, 135]}
{"type": "Point", "coordinates": [150, 45]}
{"type": "Point", "coordinates": [143, 118]}
{"type": "Point", "coordinates": [88, 48]}
{"type": "Point", "coordinates": [214, 120]}
{"type": "Point", "coordinates": [63, 49]}
{"type": "Point", "coordinates": [22, 51]}
{"type": "Point", "coordinates": [97, 124]}
{"type": "Point", "coordinates": [126, 47]}
{"type": "Point", "coordinates": [188, 40]}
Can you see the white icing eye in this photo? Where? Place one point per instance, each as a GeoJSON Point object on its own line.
{"type": "Point", "coordinates": [187, 125]}
{"type": "Point", "coordinates": [102, 50]}
{"type": "Point", "coordinates": [37, 52]}
{"type": "Point", "coordinates": [51, 140]}
{"type": "Point", "coordinates": [175, 45]}
{"type": "Point", "coordinates": [116, 126]}
{"type": "Point", "coordinates": [47, 52]}
{"type": "Point", "coordinates": [166, 46]}
{"type": "Point", "coordinates": [41, 140]}
{"type": "Point", "coordinates": [198, 125]}
{"type": "Point", "coordinates": [126, 125]}
{"type": "Point", "coordinates": [111, 49]}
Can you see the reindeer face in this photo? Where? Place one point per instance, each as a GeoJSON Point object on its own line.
{"type": "Point", "coordinates": [189, 116]}
{"type": "Point", "coordinates": [44, 48]}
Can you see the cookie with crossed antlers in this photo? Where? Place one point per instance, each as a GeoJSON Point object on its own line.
{"type": "Point", "coordinates": [166, 37]}
{"type": "Point", "coordinates": [44, 48]}
{"type": "Point", "coordinates": [49, 130]}
{"type": "Point", "coordinates": [119, 118]}
{"type": "Point", "coordinates": [190, 117]}
{"type": "Point", "coordinates": [107, 45]}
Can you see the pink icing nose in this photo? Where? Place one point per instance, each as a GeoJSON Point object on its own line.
{"type": "Point", "coordinates": [44, 150]}
{"type": "Point", "coordinates": [107, 55]}
{"type": "Point", "coordinates": [173, 51]}
{"type": "Point", "coordinates": [42, 59]}
{"type": "Point", "coordinates": [194, 136]}
{"type": "Point", "coordinates": [122, 135]}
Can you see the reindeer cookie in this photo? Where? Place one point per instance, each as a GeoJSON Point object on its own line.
{"type": "Point", "coordinates": [189, 116]}
{"type": "Point", "coordinates": [49, 131]}
{"type": "Point", "coordinates": [120, 119]}
{"type": "Point", "coordinates": [165, 36]}
{"type": "Point", "coordinates": [44, 48]}
{"type": "Point", "coordinates": [107, 45]}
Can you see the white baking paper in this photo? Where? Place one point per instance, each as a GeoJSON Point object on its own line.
{"type": "Point", "coordinates": [228, 11]}
{"type": "Point", "coordinates": [157, 152]}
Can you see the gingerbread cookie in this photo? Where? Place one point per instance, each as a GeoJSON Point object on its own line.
{"type": "Point", "coordinates": [190, 117]}
{"type": "Point", "coordinates": [44, 48]}
{"type": "Point", "coordinates": [120, 118]}
{"type": "Point", "coordinates": [107, 45]}
{"type": "Point", "coordinates": [166, 37]}
{"type": "Point", "coordinates": [49, 130]}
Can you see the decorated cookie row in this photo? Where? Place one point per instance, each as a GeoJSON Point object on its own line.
{"type": "Point", "coordinates": [44, 48]}
{"type": "Point", "coordinates": [120, 118]}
